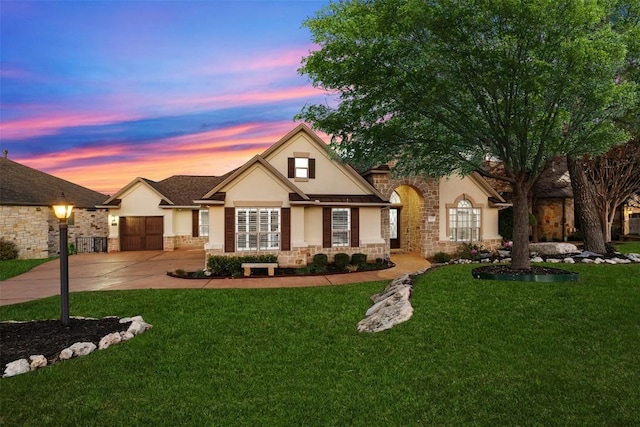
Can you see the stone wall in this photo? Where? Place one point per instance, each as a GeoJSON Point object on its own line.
{"type": "Point", "coordinates": [555, 218]}
{"type": "Point", "coordinates": [86, 223]}
{"type": "Point", "coordinates": [27, 227]}
{"type": "Point", "coordinates": [182, 242]}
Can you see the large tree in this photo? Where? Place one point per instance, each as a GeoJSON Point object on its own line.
{"type": "Point", "coordinates": [615, 178]}
{"type": "Point", "coordinates": [442, 86]}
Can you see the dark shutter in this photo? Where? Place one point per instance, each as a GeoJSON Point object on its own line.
{"type": "Point", "coordinates": [291, 168]}
{"type": "Point", "coordinates": [312, 168]}
{"type": "Point", "coordinates": [285, 229]}
{"type": "Point", "coordinates": [195, 226]}
{"type": "Point", "coordinates": [326, 227]}
{"type": "Point", "coordinates": [355, 227]}
{"type": "Point", "coordinates": [229, 229]}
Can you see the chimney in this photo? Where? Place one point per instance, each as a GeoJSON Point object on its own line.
{"type": "Point", "coordinates": [5, 153]}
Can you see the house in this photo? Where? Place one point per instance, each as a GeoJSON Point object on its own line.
{"type": "Point", "coordinates": [297, 199]}
{"type": "Point", "coordinates": [27, 218]}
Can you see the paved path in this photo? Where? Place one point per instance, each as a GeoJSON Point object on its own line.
{"type": "Point", "coordinates": [147, 270]}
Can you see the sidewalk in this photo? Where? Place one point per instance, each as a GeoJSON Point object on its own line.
{"type": "Point", "coordinates": [148, 270]}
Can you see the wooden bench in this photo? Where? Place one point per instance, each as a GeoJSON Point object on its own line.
{"type": "Point", "coordinates": [270, 266]}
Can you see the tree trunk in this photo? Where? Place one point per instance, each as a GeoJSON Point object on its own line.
{"type": "Point", "coordinates": [584, 201]}
{"type": "Point", "coordinates": [520, 249]}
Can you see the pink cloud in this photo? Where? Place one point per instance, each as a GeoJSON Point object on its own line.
{"type": "Point", "coordinates": [52, 123]}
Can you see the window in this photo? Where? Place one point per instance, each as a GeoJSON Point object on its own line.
{"type": "Point", "coordinates": [302, 167]}
{"type": "Point", "coordinates": [340, 226]}
{"type": "Point", "coordinates": [257, 229]}
{"type": "Point", "coordinates": [464, 222]}
{"type": "Point", "coordinates": [203, 221]}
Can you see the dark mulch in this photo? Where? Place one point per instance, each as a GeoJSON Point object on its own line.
{"type": "Point", "coordinates": [19, 340]}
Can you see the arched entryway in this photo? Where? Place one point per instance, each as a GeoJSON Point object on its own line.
{"type": "Point", "coordinates": [406, 221]}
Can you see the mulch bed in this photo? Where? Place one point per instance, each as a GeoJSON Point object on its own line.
{"type": "Point", "coordinates": [19, 340]}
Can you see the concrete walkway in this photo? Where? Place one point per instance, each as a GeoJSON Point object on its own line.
{"type": "Point", "coordinates": [148, 270]}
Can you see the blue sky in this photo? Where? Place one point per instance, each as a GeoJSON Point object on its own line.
{"type": "Point", "coordinates": [101, 92]}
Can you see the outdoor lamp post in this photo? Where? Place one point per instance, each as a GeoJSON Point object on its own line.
{"type": "Point", "coordinates": [63, 209]}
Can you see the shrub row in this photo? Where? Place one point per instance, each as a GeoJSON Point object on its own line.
{"type": "Point", "coordinates": [231, 266]}
{"type": "Point", "coordinates": [8, 249]}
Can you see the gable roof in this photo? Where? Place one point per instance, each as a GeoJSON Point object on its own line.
{"type": "Point", "coordinates": [175, 191]}
{"type": "Point", "coordinates": [21, 185]}
{"type": "Point", "coordinates": [211, 195]}
{"type": "Point", "coordinates": [296, 194]}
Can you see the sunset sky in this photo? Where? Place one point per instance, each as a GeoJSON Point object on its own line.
{"type": "Point", "coordinates": [102, 92]}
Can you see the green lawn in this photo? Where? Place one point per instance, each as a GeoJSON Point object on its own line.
{"type": "Point", "coordinates": [15, 267]}
{"type": "Point", "coordinates": [475, 353]}
{"type": "Point", "coordinates": [628, 247]}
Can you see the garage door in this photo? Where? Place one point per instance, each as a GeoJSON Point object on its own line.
{"type": "Point", "coordinates": [141, 233]}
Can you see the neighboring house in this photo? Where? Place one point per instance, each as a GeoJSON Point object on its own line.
{"type": "Point", "coordinates": [552, 205]}
{"type": "Point", "coordinates": [27, 218]}
{"type": "Point", "coordinates": [296, 200]}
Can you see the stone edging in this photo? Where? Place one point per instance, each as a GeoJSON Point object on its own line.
{"type": "Point", "coordinates": [21, 366]}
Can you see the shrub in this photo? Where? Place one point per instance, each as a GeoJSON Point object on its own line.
{"type": "Point", "coordinates": [180, 272]}
{"type": "Point", "coordinates": [441, 257]}
{"type": "Point", "coordinates": [469, 251]}
{"type": "Point", "coordinates": [341, 260]}
{"type": "Point", "coordinates": [320, 260]}
{"type": "Point", "coordinates": [8, 249]}
{"type": "Point", "coordinates": [359, 259]}
{"type": "Point", "coordinates": [230, 266]}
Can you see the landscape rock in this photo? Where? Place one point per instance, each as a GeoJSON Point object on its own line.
{"type": "Point", "coordinates": [537, 259]}
{"type": "Point", "coordinates": [110, 339]}
{"type": "Point", "coordinates": [82, 348]}
{"type": "Point", "coordinates": [138, 326]}
{"type": "Point", "coordinates": [126, 336]}
{"type": "Point", "coordinates": [569, 260]}
{"type": "Point", "coordinates": [66, 354]}
{"type": "Point", "coordinates": [387, 317]}
{"type": "Point", "coordinates": [16, 367]}
{"type": "Point", "coordinates": [553, 248]}
{"type": "Point", "coordinates": [38, 361]}
{"type": "Point", "coordinates": [553, 260]}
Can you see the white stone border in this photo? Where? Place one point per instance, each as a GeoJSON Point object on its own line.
{"type": "Point", "coordinates": [21, 366]}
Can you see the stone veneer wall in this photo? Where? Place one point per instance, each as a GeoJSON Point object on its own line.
{"type": "Point", "coordinates": [300, 257]}
{"type": "Point", "coordinates": [550, 225]}
{"type": "Point", "coordinates": [26, 226]}
{"type": "Point", "coordinates": [181, 242]}
{"type": "Point", "coordinates": [86, 223]}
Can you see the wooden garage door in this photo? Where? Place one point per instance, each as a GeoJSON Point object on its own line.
{"type": "Point", "coordinates": [141, 233]}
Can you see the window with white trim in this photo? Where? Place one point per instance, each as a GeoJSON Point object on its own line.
{"type": "Point", "coordinates": [464, 222]}
{"type": "Point", "coordinates": [301, 167]}
{"type": "Point", "coordinates": [257, 229]}
{"type": "Point", "coordinates": [203, 222]}
{"type": "Point", "coordinates": [340, 226]}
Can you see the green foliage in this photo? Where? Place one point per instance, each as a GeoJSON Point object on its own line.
{"type": "Point", "coordinates": [341, 260]}
{"type": "Point", "coordinates": [441, 257]}
{"type": "Point", "coordinates": [360, 260]}
{"type": "Point", "coordinates": [469, 251]}
{"type": "Point", "coordinates": [450, 84]}
{"type": "Point", "coordinates": [71, 248]}
{"type": "Point", "coordinates": [320, 260]}
{"type": "Point", "coordinates": [8, 249]}
{"type": "Point", "coordinates": [474, 352]}
{"type": "Point", "coordinates": [230, 266]}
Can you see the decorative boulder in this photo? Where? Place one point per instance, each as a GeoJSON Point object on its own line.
{"type": "Point", "coordinates": [108, 340]}
{"type": "Point", "coordinates": [553, 248]}
{"type": "Point", "coordinates": [82, 348]}
{"type": "Point", "coordinates": [38, 361]}
{"type": "Point", "coordinates": [17, 367]}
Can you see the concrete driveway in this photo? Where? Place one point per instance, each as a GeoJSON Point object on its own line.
{"type": "Point", "coordinates": [148, 270]}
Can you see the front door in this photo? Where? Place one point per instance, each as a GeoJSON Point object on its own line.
{"type": "Point", "coordinates": [394, 228]}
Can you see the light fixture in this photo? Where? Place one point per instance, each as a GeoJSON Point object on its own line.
{"type": "Point", "coordinates": [62, 210]}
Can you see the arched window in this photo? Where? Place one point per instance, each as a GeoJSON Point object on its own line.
{"type": "Point", "coordinates": [395, 198]}
{"type": "Point", "coordinates": [464, 222]}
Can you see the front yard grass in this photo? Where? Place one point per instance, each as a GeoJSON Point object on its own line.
{"type": "Point", "coordinates": [15, 267]}
{"type": "Point", "coordinates": [474, 353]}
{"type": "Point", "coordinates": [628, 247]}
